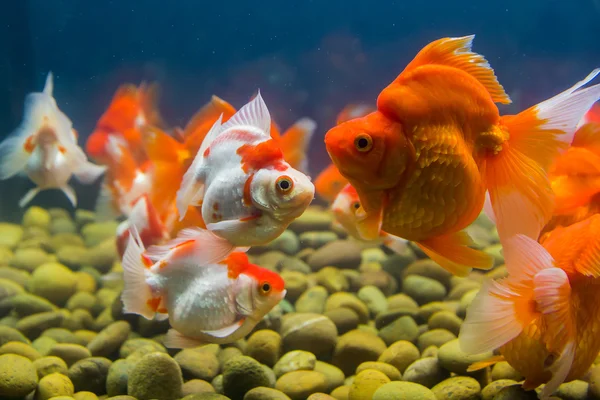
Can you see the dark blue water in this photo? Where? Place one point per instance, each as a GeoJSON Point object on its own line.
{"type": "Point", "coordinates": [309, 58]}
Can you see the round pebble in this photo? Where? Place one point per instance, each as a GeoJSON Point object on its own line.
{"type": "Point", "coordinates": [389, 370]}
{"type": "Point", "coordinates": [52, 385]}
{"type": "Point", "coordinates": [435, 337]}
{"type": "Point", "coordinates": [18, 376]}
{"type": "Point", "coordinates": [265, 393]}
{"type": "Point", "coordinates": [400, 354]}
{"type": "Point", "coordinates": [109, 339]}
{"type": "Point", "coordinates": [425, 371]}
{"type": "Point", "coordinates": [453, 359]}
{"type": "Point", "coordinates": [69, 352]}
{"type": "Point", "coordinates": [423, 290]}
{"type": "Point", "coordinates": [196, 386]}
{"type": "Point", "coordinates": [314, 333]}
{"type": "Point", "coordinates": [49, 365]}
{"type": "Point", "coordinates": [366, 383]}
{"type": "Point", "coordinates": [457, 388]}
{"type": "Point", "coordinates": [404, 328]}
{"type": "Point", "coordinates": [298, 385]}
{"type": "Point", "coordinates": [293, 361]}
{"type": "Point", "coordinates": [21, 349]}
{"type": "Point", "coordinates": [403, 391]}
{"type": "Point", "coordinates": [156, 375]}
{"type": "Point", "coordinates": [54, 282]}
{"type": "Point", "coordinates": [492, 389]}
{"type": "Point", "coordinates": [90, 374]}
{"type": "Point", "coordinates": [118, 376]}
{"type": "Point", "coordinates": [242, 373]}
{"type": "Point", "coordinates": [264, 346]}
{"type": "Point", "coordinates": [312, 300]}
{"type": "Point", "coordinates": [197, 364]}
{"type": "Point", "coordinates": [356, 347]}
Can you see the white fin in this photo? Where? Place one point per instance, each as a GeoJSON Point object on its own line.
{"type": "Point", "coordinates": [136, 292]}
{"type": "Point", "coordinates": [161, 316]}
{"type": "Point", "coordinates": [213, 132]}
{"type": "Point", "coordinates": [208, 247]}
{"type": "Point", "coordinates": [29, 196]}
{"type": "Point", "coordinates": [70, 193]}
{"type": "Point", "coordinates": [226, 331]}
{"type": "Point", "coordinates": [524, 257]}
{"type": "Point", "coordinates": [49, 85]}
{"type": "Point", "coordinates": [395, 243]}
{"type": "Point", "coordinates": [105, 210]}
{"type": "Point", "coordinates": [560, 370]}
{"type": "Point", "coordinates": [228, 227]}
{"type": "Point", "coordinates": [255, 113]}
{"type": "Point", "coordinates": [565, 110]}
{"type": "Point", "coordinates": [175, 340]}
{"type": "Point", "coordinates": [114, 276]}
{"type": "Point", "coordinates": [488, 208]}
{"type": "Point", "coordinates": [490, 322]}
{"type": "Point", "coordinates": [138, 216]}
{"type": "Point", "coordinates": [13, 157]}
{"type": "Point", "coordinates": [88, 172]}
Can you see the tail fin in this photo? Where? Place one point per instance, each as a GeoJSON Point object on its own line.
{"type": "Point", "coordinates": [395, 243]}
{"type": "Point", "coordinates": [516, 177]}
{"type": "Point", "coordinates": [501, 309]}
{"type": "Point", "coordinates": [149, 95]}
{"type": "Point", "coordinates": [136, 293]}
{"type": "Point", "coordinates": [295, 142]}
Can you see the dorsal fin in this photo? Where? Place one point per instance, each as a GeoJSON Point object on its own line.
{"type": "Point", "coordinates": [49, 86]}
{"type": "Point", "coordinates": [456, 52]}
{"type": "Point", "coordinates": [255, 113]}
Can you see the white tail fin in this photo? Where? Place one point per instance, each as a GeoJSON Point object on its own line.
{"type": "Point", "coordinates": [88, 172]}
{"type": "Point", "coordinates": [13, 156]}
{"type": "Point", "coordinates": [395, 243]}
{"type": "Point", "coordinates": [136, 292]}
{"type": "Point", "coordinates": [70, 193]}
{"type": "Point", "coordinates": [175, 340]}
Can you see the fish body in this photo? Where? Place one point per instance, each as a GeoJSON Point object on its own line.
{"type": "Point", "coordinates": [45, 148]}
{"type": "Point", "coordinates": [207, 298]}
{"type": "Point", "coordinates": [423, 162]}
{"type": "Point", "coordinates": [247, 192]}
{"type": "Point", "coordinates": [544, 318]}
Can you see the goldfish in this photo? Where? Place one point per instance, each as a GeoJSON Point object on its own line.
{"type": "Point", "coordinates": [344, 209]}
{"type": "Point", "coordinates": [207, 298]}
{"type": "Point", "coordinates": [330, 181]}
{"type": "Point", "coordinates": [423, 162]}
{"type": "Point", "coordinates": [125, 181]}
{"type": "Point", "coordinates": [247, 192]}
{"type": "Point", "coordinates": [147, 222]}
{"type": "Point", "coordinates": [575, 179]}
{"type": "Point", "coordinates": [44, 147]}
{"type": "Point", "coordinates": [593, 115]}
{"type": "Point", "coordinates": [131, 109]}
{"type": "Point", "coordinates": [543, 318]}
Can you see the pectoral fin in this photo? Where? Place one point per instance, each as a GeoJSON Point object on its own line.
{"type": "Point", "coordinates": [227, 331]}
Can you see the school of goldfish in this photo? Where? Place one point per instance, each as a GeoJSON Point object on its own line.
{"type": "Point", "coordinates": [419, 165]}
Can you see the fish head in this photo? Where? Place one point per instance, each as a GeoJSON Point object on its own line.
{"type": "Point", "coordinates": [371, 151]}
{"type": "Point", "coordinates": [329, 183]}
{"type": "Point", "coordinates": [345, 207]}
{"type": "Point", "coordinates": [285, 194]}
{"type": "Point", "coordinates": [267, 289]}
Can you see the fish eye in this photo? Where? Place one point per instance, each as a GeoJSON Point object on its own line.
{"type": "Point", "coordinates": [356, 205]}
{"type": "Point", "coordinates": [284, 184]}
{"type": "Point", "coordinates": [363, 142]}
{"type": "Point", "coordinates": [265, 288]}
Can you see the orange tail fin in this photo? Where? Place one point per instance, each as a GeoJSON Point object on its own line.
{"type": "Point", "coordinates": [295, 141]}
{"type": "Point", "coordinates": [203, 120]}
{"type": "Point", "coordinates": [452, 253]}
{"type": "Point", "coordinates": [148, 99]}
{"type": "Point", "coordinates": [516, 177]}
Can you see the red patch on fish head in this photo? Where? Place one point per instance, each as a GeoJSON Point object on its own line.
{"type": "Point", "coordinates": [266, 154]}
{"type": "Point", "coordinates": [236, 263]}
{"type": "Point", "coordinates": [268, 281]}
{"type": "Point", "coordinates": [96, 145]}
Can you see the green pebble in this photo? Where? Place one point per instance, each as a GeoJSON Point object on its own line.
{"type": "Point", "coordinates": [435, 337]}
{"type": "Point", "coordinates": [400, 354]}
{"type": "Point", "coordinates": [403, 391]}
{"type": "Point", "coordinates": [240, 374]}
{"type": "Point", "coordinates": [265, 393]}
{"type": "Point", "coordinates": [18, 376]}
{"type": "Point", "coordinates": [490, 391]}
{"type": "Point", "coordinates": [110, 339]}
{"type": "Point", "coordinates": [156, 375]}
{"type": "Point", "coordinates": [90, 374]}
{"type": "Point", "coordinates": [49, 365]}
{"type": "Point", "coordinates": [52, 385]}
{"type": "Point", "coordinates": [298, 385]}
{"type": "Point", "coordinates": [423, 290]}
{"type": "Point", "coordinates": [404, 328]}
{"type": "Point", "coordinates": [457, 388]}
{"type": "Point", "coordinates": [425, 371]}
{"type": "Point", "coordinates": [118, 376]}
{"type": "Point", "coordinates": [293, 361]}
{"type": "Point", "coordinates": [197, 364]}
{"type": "Point", "coordinates": [71, 353]}
{"type": "Point", "coordinates": [20, 348]}
{"type": "Point", "coordinates": [33, 325]}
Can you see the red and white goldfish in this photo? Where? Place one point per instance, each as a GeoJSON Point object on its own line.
{"type": "Point", "coordinates": [146, 221]}
{"type": "Point", "coordinates": [422, 162]}
{"type": "Point", "coordinates": [207, 299]}
{"type": "Point", "coordinates": [344, 209]}
{"type": "Point", "coordinates": [247, 192]}
{"type": "Point", "coordinates": [44, 146]}
{"type": "Point", "coordinates": [130, 110]}
{"type": "Point", "coordinates": [543, 318]}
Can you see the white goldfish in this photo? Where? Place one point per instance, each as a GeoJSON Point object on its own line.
{"type": "Point", "coordinates": [248, 193]}
{"type": "Point", "coordinates": [207, 299]}
{"type": "Point", "coordinates": [44, 146]}
{"type": "Point", "coordinates": [346, 205]}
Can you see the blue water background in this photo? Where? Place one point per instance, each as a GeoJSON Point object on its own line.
{"type": "Point", "coordinates": [309, 58]}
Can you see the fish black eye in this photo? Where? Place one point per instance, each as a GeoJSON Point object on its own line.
{"type": "Point", "coordinates": [284, 184]}
{"type": "Point", "coordinates": [356, 205]}
{"type": "Point", "coordinates": [265, 287]}
{"type": "Point", "coordinates": [363, 142]}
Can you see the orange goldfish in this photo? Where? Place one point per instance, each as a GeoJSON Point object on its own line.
{"type": "Point", "coordinates": [330, 181]}
{"type": "Point", "coordinates": [575, 177]}
{"type": "Point", "coordinates": [130, 109]}
{"type": "Point", "coordinates": [543, 318]}
{"type": "Point", "coordinates": [422, 162]}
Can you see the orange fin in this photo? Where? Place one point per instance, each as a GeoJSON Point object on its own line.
{"type": "Point", "coordinates": [148, 98]}
{"type": "Point", "coordinates": [516, 177]}
{"type": "Point", "coordinates": [476, 366]}
{"type": "Point", "coordinates": [456, 52]}
{"type": "Point", "coordinates": [199, 125]}
{"type": "Point", "coordinates": [576, 161]}
{"type": "Point", "coordinates": [295, 143]}
{"type": "Point", "coordinates": [588, 137]}
{"type": "Point", "coordinates": [162, 147]}
{"type": "Point", "coordinates": [452, 253]}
